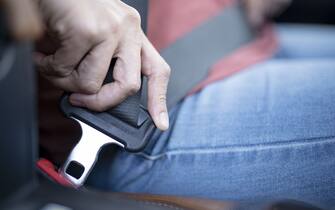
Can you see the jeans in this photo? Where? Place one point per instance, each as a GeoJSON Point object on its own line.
{"type": "Point", "coordinates": [265, 133]}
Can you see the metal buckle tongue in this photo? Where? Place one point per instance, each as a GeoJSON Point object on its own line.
{"type": "Point", "coordinates": [84, 155]}
{"type": "Point", "coordinates": [99, 129]}
{"type": "Point", "coordinates": [128, 125]}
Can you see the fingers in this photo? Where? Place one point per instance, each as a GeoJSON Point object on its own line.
{"type": "Point", "coordinates": [127, 76]}
{"type": "Point", "coordinates": [64, 60]}
{"type": "Point", "coordinates": [93, 68]}
{"type": "Point", "coordinates": [89, 74]}
{"type": "Point", "coordinates": [157, 72]}
{"type": "Point", "coordinates": [127, 81]}
{"type": "Point", "coordinates": [108, 96]}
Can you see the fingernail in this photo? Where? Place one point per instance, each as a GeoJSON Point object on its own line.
{"type": "Point", "coordinates": [164, 120]}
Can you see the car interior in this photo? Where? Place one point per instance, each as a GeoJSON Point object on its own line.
{"type": "Point", "coordinates": [29, 183]}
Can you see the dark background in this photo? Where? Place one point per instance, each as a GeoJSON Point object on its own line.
{"type": "Point", "coordinates": [309, 11]}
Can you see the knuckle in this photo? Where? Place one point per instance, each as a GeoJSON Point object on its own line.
{"type": "Point", "coordinates": [165, 71]}
{"type": "Point", "coordinates": [51, 66]}
{"type": "Point", "coordinates": [132, 87]}
{"type": "Point", "coordinates": [58, 70]}
{"type": "Point", "coordinates": [88, 31]}
{"type": "Point", "coordinates": [161, 71]}
{"type": "Point", "coordinates": [88, 86]}
{"type": "Point", "coordinates": [106, 28]}
{"type": "Point", "coordinates": [114, 24]}
{"type": "Point", "coordinates": [60, 27]}
{"type": "Point", "coordinates": [91, 34]}
{"type": "Point", "coordinates": [109, 26]}
{"type": "Point", "coordinates": [133, 16]}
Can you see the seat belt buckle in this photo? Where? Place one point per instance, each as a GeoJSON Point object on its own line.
{"type": "Point", "coordinates": [127, 125]}
{"type": "Point", "coordinates": [100, 129]}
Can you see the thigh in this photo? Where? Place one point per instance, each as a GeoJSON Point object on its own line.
{"type": "Point", "coordinates": [276, 101]}
{"type": "Point", "coordinates": [267, 132]}
{"type": "Point", "coordinates": [306, 41]}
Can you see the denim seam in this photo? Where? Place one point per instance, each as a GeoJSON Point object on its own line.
{"type": "Point", "coordinates": [241, 148]}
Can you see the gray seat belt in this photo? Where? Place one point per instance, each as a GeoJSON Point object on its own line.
{"type": "Point", "coordinates": [191, 57]}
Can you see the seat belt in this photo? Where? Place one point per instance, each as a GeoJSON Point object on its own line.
{"type": "Point", "coordinates": [192, 56]}
{"type": "Point", "coordinates": [129, 124]}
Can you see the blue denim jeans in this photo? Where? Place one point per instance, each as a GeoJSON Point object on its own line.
{"type": "Point", "coordinates": [265, 133]}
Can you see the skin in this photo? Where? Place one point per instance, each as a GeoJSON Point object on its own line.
{"type": "Point", "coordinates": [82, 38]}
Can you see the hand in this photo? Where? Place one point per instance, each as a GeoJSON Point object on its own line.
{"type": "Point", "coordinates": [81, 39]}
{"type": "Point", "coordinates": [258, 11]}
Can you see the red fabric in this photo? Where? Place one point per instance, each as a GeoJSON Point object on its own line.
{"type": "Point", "coordinates": [168, 20]}
{"type": "Point", "coordinates": [254, 52]}
{"type": "Point", "coordinates": [49, 169]}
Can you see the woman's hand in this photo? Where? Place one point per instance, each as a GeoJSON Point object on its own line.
{"type": "Point", "coordinates": [258, 11]}
{"type": "Point", "coordinates": [81, 39]}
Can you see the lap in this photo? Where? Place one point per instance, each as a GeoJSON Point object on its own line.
{"type": "Point", "coordinates": [306, 41]}
{"type": "Point", "coordinates": [266, 132]}
{"type": "Point", "coordinates": [274, 102]}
